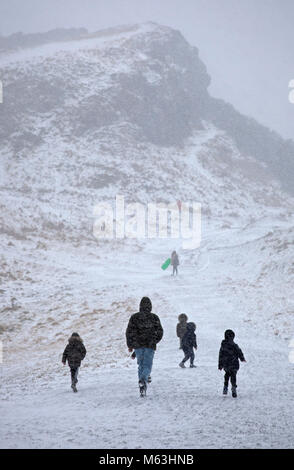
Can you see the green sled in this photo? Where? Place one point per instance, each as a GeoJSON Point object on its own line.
{"type": "Point", "coordinates": [166, 264]}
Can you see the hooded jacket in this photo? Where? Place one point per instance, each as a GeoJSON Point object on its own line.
{"type": "Point", "coordinates": [189, 339]}
{"type": "Point", "coordinates": [74, 352]}
{"type": "Point", "coordinates": [144, 328]}
{"type": "Point", "coordinates": [230, 353]}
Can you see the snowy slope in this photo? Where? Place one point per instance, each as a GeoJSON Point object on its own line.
{"type": "Point", "coordinates": [80, 134]}
{"type": "Point", "coordinates": [184, 408]}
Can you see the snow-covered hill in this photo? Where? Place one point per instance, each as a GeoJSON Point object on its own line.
{"type": "Point", "coordinates": [126, 111]}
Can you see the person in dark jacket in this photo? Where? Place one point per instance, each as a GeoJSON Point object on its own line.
{"type": "Point", "coordinates": [143, 332]}
{"type": "Point", "coordinates": [189, 342]}
{"type": "Point", "coordinates": [74, 353]}
{"type": "Point", "coordinates": [182, 327]}
{"type": "Point", "coordinates": [175, 262]}
{"type": "Point", "coordinates": [229, 356]}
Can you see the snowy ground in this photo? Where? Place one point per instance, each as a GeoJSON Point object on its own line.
{"type": "Point", "coordinates": [183, 408]}
{"type": "Point", "coordinates": [55, 279]}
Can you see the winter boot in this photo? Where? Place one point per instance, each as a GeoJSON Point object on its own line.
{"type": "Point", "coordinates": [234, 392]}
{"type": "Point", "coordinates": [74, 388]}
{"type": "Point", "coordinates": [192, 366]}
{"type": "Point", "coordinates": [182, 365]}
{"type": "Point", "coordinates": [225, 390]}
{"type": "Point", "coordinates": [149, 380]}
{"type": "Point", "coordinates": [142, 388]}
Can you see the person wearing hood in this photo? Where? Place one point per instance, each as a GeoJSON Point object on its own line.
{"type": "Point", "coordinates": [182, 327]}
{"type": "Point", "coordinates": [74, 353]}
{"type": "Point", "coordinates": [143, 332]}
{"type": "Point", "coordinates": [229, 356]}
{"type": "Point", "coordinates": [189, 342]}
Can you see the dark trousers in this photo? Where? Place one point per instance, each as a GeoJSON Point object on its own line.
{"type": "Point", "coordinates": [189, 354]}
{"type": "Point", "coordinates": [74, 374]}
{"type": "Point", "coordinates": [175, 270]}
{"type": "Point", "coordinates": [231, 374]}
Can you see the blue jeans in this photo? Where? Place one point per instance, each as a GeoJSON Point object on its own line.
{"type": "Point", "coordinates": [74, 374]}
{"type": "Point", "coordinates": [144, 359]}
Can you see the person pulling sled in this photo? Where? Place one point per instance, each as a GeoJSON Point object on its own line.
{"type": "Point", "coordinates": [175, 262]}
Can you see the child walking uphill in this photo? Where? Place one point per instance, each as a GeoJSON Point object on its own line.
{"type": "Point", "coordinates": [182, 327]}
{"type": "Point", "coordinates": [229, 356]}
{"type": "Point", "coordinates": [74, 353]}
{"type": "Point", "coordinates": [189, 342]}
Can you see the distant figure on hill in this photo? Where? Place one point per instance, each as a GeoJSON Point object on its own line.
{"type": "Point", "coordinates": [175, 262]}
{"type": "Point", "coordinates": [143, 333]}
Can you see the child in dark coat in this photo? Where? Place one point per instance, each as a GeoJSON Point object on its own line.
{"type": "Point", "coordinates": [229, 356]}
{"type": "Point", "coordinates": [74, 353]}
{"type": "Point", "coordinates": [189, 342]}
{"type": "Point", "coordinates": [182, 327]}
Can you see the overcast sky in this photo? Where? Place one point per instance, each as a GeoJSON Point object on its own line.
{"type": "Point", "coordinates": [247, 45]}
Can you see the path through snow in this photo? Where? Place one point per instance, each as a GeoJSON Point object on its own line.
{"type": "Point", "coordinates": [184, 408]}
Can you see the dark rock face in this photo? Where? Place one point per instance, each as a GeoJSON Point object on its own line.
{"type": "Point", "coordinates": [172, 108]}
{"type": "Point", "coordinates": [166, 111]}
{"type": "Point", "coordinates": [159, 90]}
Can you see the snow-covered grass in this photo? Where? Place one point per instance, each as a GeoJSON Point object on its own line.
{"type": "Point", "coordinates": [60, 159]}
{"type": "Point", "coordinates": [63, 281]}
{"type": "Point", "coordinates": [184, 408]}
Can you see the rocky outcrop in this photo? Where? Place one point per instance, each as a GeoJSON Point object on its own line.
{"type": "Point", "coordinates": [145, 80]}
